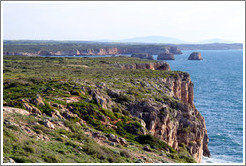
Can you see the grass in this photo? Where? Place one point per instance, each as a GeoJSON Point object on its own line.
{"type": "Point", "coordinates": [57, 79]}
{"type": "Point", "coordinates": [23, 149]}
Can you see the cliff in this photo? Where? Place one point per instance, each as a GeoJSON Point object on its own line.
{"type": "Point", "coordinates": [27, 50]}
{"type": "Point", "coordinates": [151, 66]}
{"type": "Point", "coordinates": [116, 109]}
{"type": "Point", "coordinates": [178, 121]}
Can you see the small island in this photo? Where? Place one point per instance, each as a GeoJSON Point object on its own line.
{"type": "Point", "coordinates": [195, 56]}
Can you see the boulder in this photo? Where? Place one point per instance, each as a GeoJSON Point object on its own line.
{"type": "Point", "coordinates": [32, 109]}
{"type": "Point", "coordinates": [112, 137]}
{"type": "Point", "coordinates": [48, 124]}
{"type": "Point", "coordinates": [39, 101]}
{"type": "Point", "coordinates": [139, 161]}
{"type": "Point", "coordinates": [67, 114]}
{"type": "Point", "coordinates": [123, 141]}
{"type": "Point", "coordinates": [142, 56]}
{"type": "Point", "coordinates": [195, 56]}
{"type": "Point", "coordinates": [165, 56]}
{"type": "Point", "coordinates": [27, 107]}
{"type": "Point", "coordinates": [114, 94]}
{"type": "Point", "coordinates": [36, 111]}
{"type": "Point", "coordinates": [147, 148]}
{"type": "Point", "coordinates": [8, 160]}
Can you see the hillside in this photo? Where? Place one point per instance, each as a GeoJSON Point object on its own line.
{"type": "Point", "coordinates": [117, 110]}
{"type": "Point", "coordinates": [86, 48]}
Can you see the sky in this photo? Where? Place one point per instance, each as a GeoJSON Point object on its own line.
{"type": "Point", "coordinates": [190, 21]}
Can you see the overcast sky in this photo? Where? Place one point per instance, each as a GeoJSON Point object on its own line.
{"type": "Point", "coordinates": [188, 21]}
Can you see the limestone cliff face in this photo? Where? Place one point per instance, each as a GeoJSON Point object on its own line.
{"type": "Point", "coordinates": [181, 88]}
{"type": "Point", "coordinates": [178, 121]}
{"type": "Point", "coordinates": [102, 51]}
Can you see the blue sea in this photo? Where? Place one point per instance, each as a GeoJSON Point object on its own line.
{"type": "Point", "coordinates": [218, 95]}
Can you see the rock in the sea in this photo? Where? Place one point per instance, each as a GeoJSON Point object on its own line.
{"type": "Point", "coordinates": [195, 56]}
{"type": "Point", "coordinates": [165, 56]}
{"type": "Point", "coordinates": [143, 56]}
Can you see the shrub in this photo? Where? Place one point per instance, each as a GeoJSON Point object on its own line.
{"type": "Point", "coordinates": [50, 158]}
{"type": "Point", "coordinates": [29, 148]}
{"type": "Point", "coordinates": [122, 99]}
{"type": "Point", "coordinates": [108, 113]}
{"type": "Point", "coordinates": [125, 153]}
{"type": "Point", "coordinates": [153, 141]}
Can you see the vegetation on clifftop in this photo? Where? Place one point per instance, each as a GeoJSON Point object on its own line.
{"type": "Point", "coordinates": [84, 116]}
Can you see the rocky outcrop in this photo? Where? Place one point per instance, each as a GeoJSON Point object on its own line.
{"type": "Point", "coordinates": [44, 53]}
{"type": "Point", "coordinates": [32, 109]}
{"type": "Point", "coordinates": [175, 50]}
{"type": "Point", "coordinates": [15, 110]}
{"type": "Point", "coordinates": [39, 101]}
{"type": "Point", "coordinates": [48, 124]}
{"type": "Point", "coordinates": [165, 56]}
{"type": "Point", "coordinates": [177, 121]}
{"type": "Point", "coordinates": [100, 51]}
{"type": "Point", "coordinates": [195, 56]}
{"type": "Point", "coordinates": [152, 50]}
{"type": "Point", "coordinates": [151, 66]}
{"type": "Point", "coordinates": [181, 88]}
{"type": "Point", "coordinates": [143, 56]}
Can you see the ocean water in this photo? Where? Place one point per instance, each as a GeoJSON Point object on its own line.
{"type": "Point", "coordinates": [218, 95]}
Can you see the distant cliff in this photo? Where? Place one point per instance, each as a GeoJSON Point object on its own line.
{"type": "Point", "coordinates": [67, 48]}
{"type": "Point", "coordinates": [98, 51]}
{"type": "Point", "coordinates": [212, 46]}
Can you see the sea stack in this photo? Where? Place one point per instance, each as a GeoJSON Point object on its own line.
{"type": "Point", "coordinates": [165, 56]}
{"type": "Point", "coordinates": [195, 56]}
{"type": "Point", "coordinates": [143, 56]}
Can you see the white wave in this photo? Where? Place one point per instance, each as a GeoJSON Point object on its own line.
{"type": "Point", "coordinates": [217, 159]}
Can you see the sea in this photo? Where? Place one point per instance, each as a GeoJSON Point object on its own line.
{"type": "Point", "coordinates": [218, 96]}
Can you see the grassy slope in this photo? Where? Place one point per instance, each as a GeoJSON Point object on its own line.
{"type": "Point", "coordinates": [24, 77]}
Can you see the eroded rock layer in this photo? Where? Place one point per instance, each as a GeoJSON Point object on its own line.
{"type": "Point", "coordinates": [177, 122]}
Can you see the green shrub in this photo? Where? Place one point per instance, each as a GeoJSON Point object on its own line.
{"type": "Point", "coordinates": [108, 114]}
{"type": "Point", "coordinates": [50, 158]}
{"type": "Point", "coordinates": [125, 153]}
{"type": "Point", "coordinates": [46, 109]}
{"type": "Point", "coordinates": [122, 99]}
{"type": "Point", "coordinates": [29, 148]}
{"type": "Point", "coordinates": [153, 141]}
